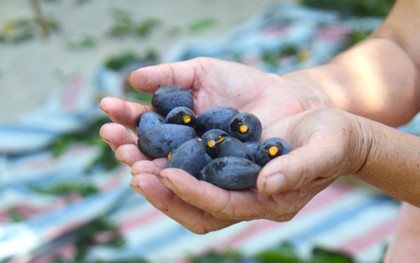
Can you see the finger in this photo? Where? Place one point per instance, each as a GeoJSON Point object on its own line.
{"type": "Point", "coordinates": [184, 73]}
{"type": "Point", "coordinates": [129, 154]}
{"type": "Point", "coordinates": [116, 135]}
{"type": "Point", "coordinates": [123, 112]}
{"type": "Point", "coordinates": [149, 167]}
{"type": "Point", "coordinates": [194, 219]}
{"type": "Point", "coordinates": [300, 167]}
{"type": "Point", "coordinates": [223, 204]}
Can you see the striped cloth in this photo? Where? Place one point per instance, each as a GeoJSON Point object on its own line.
{"type": "Point", "coordinates": [355, 220]}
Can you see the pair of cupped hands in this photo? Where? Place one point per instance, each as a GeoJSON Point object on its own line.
{"type": "Point", "coordinates": [324, 143]}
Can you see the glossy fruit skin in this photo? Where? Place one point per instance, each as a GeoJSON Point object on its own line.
{"type": "Point", "coordinates": [231, 173]}
{"type": "Point", "coordinates": [215, 118]}
{"type": "Point", "coordinates": [252, 148]}
{"type": "Point", "coordinates": [147, 120]}
{"type": "Point", "coordinates": [159, 140]}
{"type": "Point", "coordinates": [182, 115]}
{"type": "Point", "coordinates": [231, 146]}
{"type": "Point", "coordinates": [250, 121]}
{"type": "Point", "coordinates": [213, 136]}
{"type": "Point", "coordinates": [263, 156]}
{"type": "Point", "coordinates": [168, 97]}
{"type": "Point", "coordinates": [189, 156]}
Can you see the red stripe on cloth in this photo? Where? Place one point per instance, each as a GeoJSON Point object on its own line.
{"type": "Point", "coordinates": [364, 241]}
{"type": "Point", "coordinates": [119, 177]}
{"type": "Point", "coordinates": [142, 218]}
{"type": "Point", "coordinates": [72, 93]}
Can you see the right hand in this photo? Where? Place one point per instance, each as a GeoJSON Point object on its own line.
{"type": "Point", "coordinates": [213, 83]}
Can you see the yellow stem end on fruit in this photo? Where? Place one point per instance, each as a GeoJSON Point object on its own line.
{"type": "Point", "coordinates": [187, 119]}
{"type": "Point", "coordinates": [243, 128]}
{"type": "Point", "coordinates": [211, 143]}
{"type": "Point", "coordinates": [273, 150]}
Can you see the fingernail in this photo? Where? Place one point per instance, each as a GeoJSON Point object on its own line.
{"type": "Point", "coordinates": [274, 183]}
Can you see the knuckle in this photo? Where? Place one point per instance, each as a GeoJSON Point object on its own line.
{"type": "Point", "coordinates": [285, 217]}
{"type": "Point", "coordinates": [225, 211]}
{"type": "Point", "coordinates": [199, 227]}
{"type": "Point", "coordinates": [199, 230]}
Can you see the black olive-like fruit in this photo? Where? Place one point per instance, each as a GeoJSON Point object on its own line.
{"type": "Point", "coordinates": [147, 120]}
{"type": "Point", "coordinates": [252, 148]}
{"type": "Point", "coordinates": [182, 115]}
{"type": "Point", "coordinates": [231, 146]}
{"type": "Point", "coordinates": [215, 118]}
{"type": "Point", "coordinates": [270, 149]}
{"type": "Point", "coordinates": [168, 97]}
{"type": "Point", "coordinates": [231, 173]}
{"type": "Point", "coordinates": [189, 156]}
{"type": "Point", "coordinates": [159, 140]}
{"type": "Point", "coordinates": [245, 127]}
{"type": "Point", "coordinates": [211, 139]}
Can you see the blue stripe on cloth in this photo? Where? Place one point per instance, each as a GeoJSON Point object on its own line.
{"type": "Point", "coordinates": [165, 239]}
{"type": "Point", "coordinates": [338, 217]}
{"type": "Point", "coordinates": [147, 248]}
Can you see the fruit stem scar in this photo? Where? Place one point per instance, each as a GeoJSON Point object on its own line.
{"type": "Point", "coordinates": [187, 119]}
{"type": "Point", "coordinates": [243, 128]}
{"type": "Point", "coordinates": [273, 150]}
{"type": "Point", "coordinates": [211, 143]}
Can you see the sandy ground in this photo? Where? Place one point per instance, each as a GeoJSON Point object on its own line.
{"type": "Point", "coordinates": [31, 69]}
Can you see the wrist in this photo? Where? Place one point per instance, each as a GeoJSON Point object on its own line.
{"type": "Point", "coordinates": [362, 139]}
{"type": "Point", "coordinates": [318, 88]}
{"type": "Point", "coordinates": [390, 161]}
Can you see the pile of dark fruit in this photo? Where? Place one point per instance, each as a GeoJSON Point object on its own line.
{"type": "Point", "coordinates": [219, 146]}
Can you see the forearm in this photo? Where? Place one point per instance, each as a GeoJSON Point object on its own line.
{"type": "Point", "coordinates": [392, 162]}
{"type": "Point", "coordinates": [375, 79]}
{"type": "Point", "coordinates": [378, 78]}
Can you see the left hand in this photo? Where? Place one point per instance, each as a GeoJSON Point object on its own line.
{"type": "Point", "coordinates": [327, 144]}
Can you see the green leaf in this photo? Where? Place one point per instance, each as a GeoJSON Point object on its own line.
{"type": "Point", "coordinates": [378, 8]}
{"type": "Point", "coordinates": [84, 189]}
{"type": "Point", "coordinates": [201, 24]}
{"type": "Point", "coordinates": [86, 42]}
{"type": "Point", "coordinates": [285, 252]}
{"type": "Point", "coordinates": [146, 27]}
{"type": "Point", "coordinates": [119, 61]}
{"type": "Point", "coordinates": [227, 256]}
{"type": "Point", "coordinates": [322, 255]}
{"type": "Point", "coordinates": [15, 215]}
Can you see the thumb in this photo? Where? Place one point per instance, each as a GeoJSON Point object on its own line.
{"type": "Point", "coordinates": [300, 167]}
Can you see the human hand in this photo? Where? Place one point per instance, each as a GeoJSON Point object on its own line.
{"type": "Point", "coordinates": [213, 83]}
{"type": "Point", "coordinates": [326, 143]}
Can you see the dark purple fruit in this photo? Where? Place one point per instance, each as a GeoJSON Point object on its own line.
{"type": "Point", "coordinates": [182, 115]}
{"type": "Point", "coordinates": [189, 156]}
{"type": "Point", "coordinates": [211, 139]}
{"type": "Point", "coordinates": [215, 118]}
{"type": "Point", "coordinates": [245, 126]}
{"type": "Point", "coordinates": [168, 97]}
{"type": "Point", "coordinates": [252, 148]}
{"type": "Point", "coordinates": [159, 140]}
{"type": "Point", "coordinates": [231, 173]}
{"type": "Point", "coordinates": [270, 149]}
{"type": "Point", "coordinates": [147, 120]}
{"type": "Point", "coordinates": [231, 146]}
